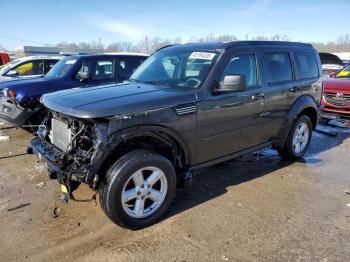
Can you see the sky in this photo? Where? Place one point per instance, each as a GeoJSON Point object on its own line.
{"type": "Point", "coordinates": [38, 22]}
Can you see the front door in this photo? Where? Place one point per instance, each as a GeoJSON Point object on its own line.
{"type": "Point", "coordinates": [231, 122]}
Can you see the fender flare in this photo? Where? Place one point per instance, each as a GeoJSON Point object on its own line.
{"type": "Point", "coordinates": [302, 103]}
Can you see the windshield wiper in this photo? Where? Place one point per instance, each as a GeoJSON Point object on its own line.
{"type": "Point", "coordinates": [149, 82]}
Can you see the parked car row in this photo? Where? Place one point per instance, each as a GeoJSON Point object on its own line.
{"type": "Point", "coordinates": [133, 130]}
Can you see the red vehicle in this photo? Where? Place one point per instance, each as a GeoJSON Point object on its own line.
{"type": "Point", "coordinates": [336, 98]}
{"type": "Point", "coordinates": [4, 58]}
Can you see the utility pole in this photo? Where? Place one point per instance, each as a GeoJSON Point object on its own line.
{"type": "Point", "coordinates": [146, 44]}
{"type": "Point", "coordinates": [100, 44]}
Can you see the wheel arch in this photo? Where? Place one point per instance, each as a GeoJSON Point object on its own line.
{"type": "Point", "coordinates": [304, 105]}
{"type": "Point", "coordinates": [157, 138]}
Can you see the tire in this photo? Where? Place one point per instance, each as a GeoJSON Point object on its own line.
{"type": "Point", "coordinates": [124, 181]}
{"type": "Point", "coordinates": [290, 151]}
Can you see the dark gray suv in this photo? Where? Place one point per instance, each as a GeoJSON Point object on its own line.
{"type": "Point", "coordinates": [186, 107]}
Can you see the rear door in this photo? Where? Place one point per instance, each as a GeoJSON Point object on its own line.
{"type": "Point", "coordinates": [280, 88]}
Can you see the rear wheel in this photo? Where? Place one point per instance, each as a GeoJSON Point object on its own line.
{"type": "Point", "coordinates": [138, 189]}
{"type": "Point", "coordinates": [298, 140]}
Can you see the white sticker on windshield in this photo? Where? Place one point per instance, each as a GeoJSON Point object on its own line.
{"type": "Point", "coordinates": [70, 62]}
{"type": "Point", "coordinates": [202, 55]}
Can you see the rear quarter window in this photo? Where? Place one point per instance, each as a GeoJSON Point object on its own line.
{"type": "Point", "coordinates": [306, 65]}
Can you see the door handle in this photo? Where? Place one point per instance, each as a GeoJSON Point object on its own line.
{"type": "Point", "coordinates": [257, 96]}
{"type": "Point", "coordinates": [294, 89]}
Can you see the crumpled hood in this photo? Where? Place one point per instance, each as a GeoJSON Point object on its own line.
{"type": "Point", "coordinates": [115, 99]}
{"type": "Point", "coordinates": [337, 84]}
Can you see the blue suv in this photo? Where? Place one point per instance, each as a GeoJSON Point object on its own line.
{"type": "Point", "coordinates": [20, 100]}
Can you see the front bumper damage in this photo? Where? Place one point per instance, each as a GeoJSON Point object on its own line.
{"type": "Point", "coordinates": [69, 176]}
{"type": "Point", "coordinates": [69, 168]}
{"type": "Point", "coordinates": [12, 112]}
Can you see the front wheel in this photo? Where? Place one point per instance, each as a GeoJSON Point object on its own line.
{"type": "Point", "coordinates": [298, 140]}
{"type": "Point", "coordinates": [138, 189]}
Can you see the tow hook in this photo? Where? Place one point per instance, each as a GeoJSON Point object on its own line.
{"type": "Point", "coordinates": [65, 194]}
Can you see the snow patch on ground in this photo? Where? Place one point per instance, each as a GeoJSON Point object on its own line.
{"type": "Point", "coordinates": [4, 138]}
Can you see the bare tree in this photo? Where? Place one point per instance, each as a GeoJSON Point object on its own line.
{"type": "Point", "coordinates": [341, 44]}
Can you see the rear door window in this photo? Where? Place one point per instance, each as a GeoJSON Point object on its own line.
{"type": "Point", "coordinates": [278, 67]}
{"type": "Point", "coordinates": [306, 65]}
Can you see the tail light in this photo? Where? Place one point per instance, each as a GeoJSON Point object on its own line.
{"type": "Point", "coordinates": [322, 96]}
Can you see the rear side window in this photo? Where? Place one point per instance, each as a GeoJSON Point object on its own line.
{"type": "Point", "coordinates": [35, 67]}
{"type": "Point", "coordinates": [278, 67]}
{"type": "Point", "coordinates": [1, 62]}
{"type": "Point", "coordinates": [242, 65]}
{"type": "Point", "coordinates": [306, 65]}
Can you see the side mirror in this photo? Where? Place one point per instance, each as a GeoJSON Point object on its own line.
{"type": "Point", "coordinates": [84, 76]}
{"type": "Point", "coordinates": [12, 73]}
{"type": "Point", "coordinates": [232, 83]}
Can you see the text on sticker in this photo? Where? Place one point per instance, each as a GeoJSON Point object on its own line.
{"type": "Point", "coordinates": [202, 55]}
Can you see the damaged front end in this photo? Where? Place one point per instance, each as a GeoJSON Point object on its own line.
{"type": "Point", "coordinates": [70, 148]}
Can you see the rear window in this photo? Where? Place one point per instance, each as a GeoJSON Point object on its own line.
{"type": "Point", "coordinates": [306, 65]}
{"type": "Point", "coordinates": [278, 67]}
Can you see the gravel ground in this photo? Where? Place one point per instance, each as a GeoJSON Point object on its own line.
{"type": "Point", "coordinates": [256, 208]}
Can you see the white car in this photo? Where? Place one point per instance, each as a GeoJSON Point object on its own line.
{"type": "Point", "coordinates": [27, 67]}
{"type": "Point", "coordinates": [330, 63]}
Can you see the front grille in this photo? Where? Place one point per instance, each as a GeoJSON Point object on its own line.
{"type": "Point", "coordinates": [61, 134]}
{"type": "Point", "coordinates": [338, 99]}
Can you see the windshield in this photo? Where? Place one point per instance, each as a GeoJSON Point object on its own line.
{"type": "Point", "coordinates": [177, 68]}
{"type": "Point", "coordinates": [345, 73]}
{"type": "Point", "coordinates": [61, 68]}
